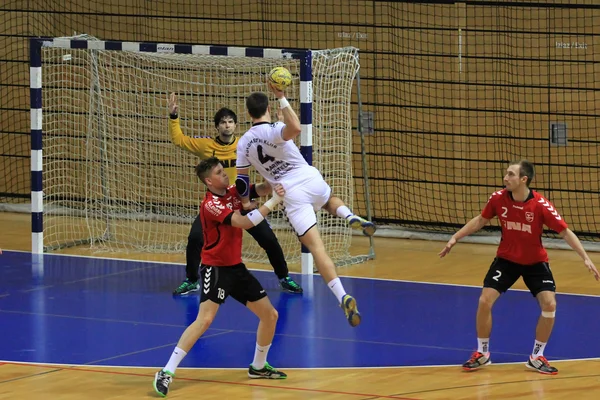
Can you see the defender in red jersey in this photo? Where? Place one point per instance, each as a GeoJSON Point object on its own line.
{"type": "Point", "coordinates": [523, 214]}
{"type": "Point", "coordinates": [224, 274]}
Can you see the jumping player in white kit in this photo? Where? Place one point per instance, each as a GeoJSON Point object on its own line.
{"type": "Point", "coordinates": [270, 148]}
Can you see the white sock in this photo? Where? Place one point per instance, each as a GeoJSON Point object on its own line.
{"type": "Point", "coordinates": [174, 361]}
{"type": "Point", "coordinates": [337, 288]}
{"type": "Point", "coordinates": [538, 349]}
{"type": "Point", "coordinates": [483, 345]}
{"type": "Point", "coordinates": [344, 212]}
{"type": "Point", "coordinates": [260, 356]}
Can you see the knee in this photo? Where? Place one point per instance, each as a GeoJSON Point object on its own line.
{"type": "Point", "coordinates": [486, 302]}
{"type": "Point", "coordinates": [205, 320]}
{"type": "Point", "coordinates": [271, 316]}
{"type": "Point", "coordinates": [548, 305]}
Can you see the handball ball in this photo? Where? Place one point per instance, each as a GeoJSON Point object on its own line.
{"type": "Point", "coordinates": [280, 78]}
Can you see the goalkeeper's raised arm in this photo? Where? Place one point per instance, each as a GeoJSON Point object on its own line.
{"type": "Point", "coordinates": [196, 146]}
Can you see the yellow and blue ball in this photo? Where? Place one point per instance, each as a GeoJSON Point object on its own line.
{"type": "Point", "coordinates": [280, 78]}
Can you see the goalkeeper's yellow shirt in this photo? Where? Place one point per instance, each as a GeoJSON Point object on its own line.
{"type": "Point", "coordinates": [205, 147]}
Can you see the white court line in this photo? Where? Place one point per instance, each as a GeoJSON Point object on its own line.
{"type": "Point", "coordinates": [286, 368]}
{"type": "Point", "coordinates": [297, 273]}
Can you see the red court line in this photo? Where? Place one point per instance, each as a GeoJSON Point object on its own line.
{"type": "Point", "coordinates": [75, 368]}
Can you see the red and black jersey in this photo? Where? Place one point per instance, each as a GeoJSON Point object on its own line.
{"type": "Point", "coordinates": [222, 242]}
{"type": "Point", "coordinates": [523, 225]}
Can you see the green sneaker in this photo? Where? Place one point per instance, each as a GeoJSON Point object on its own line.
{"type": "Point", "coordinates": [187, 287]}
{"type": "Point", "coordinates": [267, 372]}
{"type": "Point", "coordinates": [290, 286]}
{"type": "Point", "coordinates": [162, 380]}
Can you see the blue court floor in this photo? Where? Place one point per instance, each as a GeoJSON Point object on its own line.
{"type": "Point", "coordinates": [96, 311]}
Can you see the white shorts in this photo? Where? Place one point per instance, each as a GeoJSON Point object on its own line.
{"type": "Point", "coordinates": [304, 199]}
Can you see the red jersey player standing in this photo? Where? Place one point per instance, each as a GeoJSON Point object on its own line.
{"type": "Point", "coordinates": [224, 274]}
{"type": "Point", "coordinates": [522, 213]}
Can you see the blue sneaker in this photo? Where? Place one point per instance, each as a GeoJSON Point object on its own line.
{"type": "Point", "coordinates": [350, 309]}
{"type": "Point", "coordinates": [367, 227]}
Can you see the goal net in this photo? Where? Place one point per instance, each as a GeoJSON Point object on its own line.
{"type": "Point", "coordinates": [113, 180]}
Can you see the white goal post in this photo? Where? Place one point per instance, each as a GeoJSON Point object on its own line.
{"type": "Point", "coordinates": [111, 178]}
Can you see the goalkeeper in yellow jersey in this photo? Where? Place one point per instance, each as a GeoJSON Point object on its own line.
{"type": "Point", "coordinates": [224, 147]}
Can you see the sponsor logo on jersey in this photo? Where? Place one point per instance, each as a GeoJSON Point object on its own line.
{"type": "Point", "coordinates": [213, 209]}
{"type": "Point", "coordinates": [516, 226]}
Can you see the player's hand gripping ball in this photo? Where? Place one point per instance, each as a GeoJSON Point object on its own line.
{"type": "Point", "coordinates": [280, 78]}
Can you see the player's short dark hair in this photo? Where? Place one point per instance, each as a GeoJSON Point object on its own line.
{"type": "Point", "coordinates": [224, 113]}
{"type": "Point", "coordinates": [257, 104]}
{"type": "Point", "coordinates": [204, 168]}
{"type": "Point", "coordinates": [525, 169]}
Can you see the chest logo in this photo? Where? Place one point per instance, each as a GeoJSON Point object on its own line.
{"type": "Point", "coordinates": [529, 216]}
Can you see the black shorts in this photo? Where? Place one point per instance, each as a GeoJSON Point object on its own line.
{"type": "Point", "coordinates": [503, 274]}
{"type": "Point", "coordinates": [218, 283]}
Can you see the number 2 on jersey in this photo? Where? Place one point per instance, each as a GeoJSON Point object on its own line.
{"type": "Point", "coordinates": [263, 157]}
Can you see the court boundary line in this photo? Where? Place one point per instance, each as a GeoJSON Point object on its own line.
{"type": "Point", "coordinates": [457, 366]}
{"type": "Point", "coordinates": [298, 273]}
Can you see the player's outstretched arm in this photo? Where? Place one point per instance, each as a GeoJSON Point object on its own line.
{"type": "Point", "coordinates": [255, 217]}
{"type": "Point", "coordinates": [193, 145]}
{"type": "Point", "coordinates": [573, 241]}
{"type": "Point", "coordinates": [290, 119]}
{"type": "Point", "coordinates": [470, 227]}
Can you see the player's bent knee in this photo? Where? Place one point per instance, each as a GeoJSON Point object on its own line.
{"type": "Point", "coordinates": [269, 316]}
{"type": "Point", "coordinates": [205, 320]}
{"type": "Point", "coordinates": [548, 314]}
{"type": "Point", "coordinates": [273, 315]}
{"type": "Point", "coordinates": [486, 301]}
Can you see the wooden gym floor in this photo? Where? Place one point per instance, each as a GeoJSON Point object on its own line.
{"type": "Point", "coordinates": [378, 362]}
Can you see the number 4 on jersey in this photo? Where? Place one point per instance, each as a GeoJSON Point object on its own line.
{"type": "Point", "coordinates": [263, 157]}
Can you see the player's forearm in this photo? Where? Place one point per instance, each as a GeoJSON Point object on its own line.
{"type": "Point", "coordinates": [471, 227]}
{"type": "Point", "coordinates": [573, 241]}
{"type": "Point", "coordinates": [255, 217]}
{"type": "Point", "coordinates": [291, 121]}
{"type": "Point", "coordinates": [182, 141]}
{"type": "Point", "coordinates": [246, 222]}
{"type": "Point", "coordinates": [245, 201]}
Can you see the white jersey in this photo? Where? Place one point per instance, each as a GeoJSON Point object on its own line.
{"type": "Point", "coordinates": [275, 159]}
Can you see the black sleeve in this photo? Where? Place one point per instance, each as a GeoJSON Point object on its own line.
{"type": "Point", "coordinates": [227, 220]}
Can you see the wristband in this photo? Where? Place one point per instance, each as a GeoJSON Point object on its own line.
{"type": "Point", "coordinates": [273, 202]}
{"type": "Point", "coordinates": [255, 216]}
{"type": "Point", "coordinates": [283, 103]}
